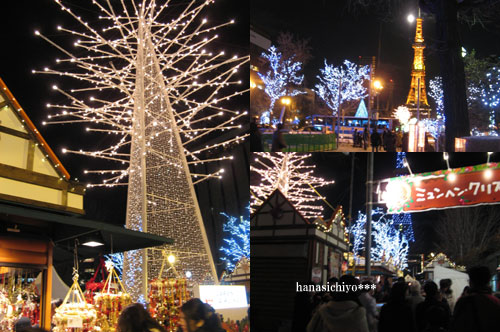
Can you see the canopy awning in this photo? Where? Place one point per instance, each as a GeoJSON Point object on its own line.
{"type": "Point", "coordinates": [26, 222]}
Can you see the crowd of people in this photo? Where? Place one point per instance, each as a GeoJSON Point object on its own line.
{"type": "Point", "coordinates": [195, 316]}
{"type": "Point", "coordinates": [389, 140]}
{"type": "Point", "coordinates": [401, 306]}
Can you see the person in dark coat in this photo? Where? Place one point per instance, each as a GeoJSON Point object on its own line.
{"type": "Point", "coordinates": [354, 138]}
{"type": "Point", "coordinates": [196, 316]}
{"type": "Point", "coordinates": [375, 140]}
{"type": "Point", "coordinates": [433, 314]}
{"type": "Point", "coordinates": [255, 138]}
{"type": "Point", "coordinates": [478, 310]}
{"type": "Point", "coordinates": [366, 137]}
{"type": "Point", "coordinates": [302, 311]}
{"type": "Point", "coordinates": [390, 141]}
{"type": "Point", "coordinates": [135, 318]}
{"type": "Point", "coordinates": [344, 313]}
{"type": "Point", "coordinates": [404, 143]}
{"type": "Point", "coordinates": [396, 315]}
{"type": "Point", "coordinates": [278, 140]}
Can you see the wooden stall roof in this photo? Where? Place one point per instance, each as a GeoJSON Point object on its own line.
{"type": "Point", "coordinates": [41, 141]}
{"type": "Point", "coordinates": [63, 230]}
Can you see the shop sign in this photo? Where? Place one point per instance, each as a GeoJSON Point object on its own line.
{"type": "Point", "coordinates": [459, 187]}
{"type": "Point", "coordinates": [224, 297]}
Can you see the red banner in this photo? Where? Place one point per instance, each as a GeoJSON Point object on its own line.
{"type": "Point", "coordinates": [466, 186]}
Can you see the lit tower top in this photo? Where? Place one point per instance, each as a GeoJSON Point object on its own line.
{"type": "Point", "coordinates": [418, 70]}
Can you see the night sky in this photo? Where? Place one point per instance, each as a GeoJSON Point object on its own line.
{"type": "Point", "coordinates": [22, 51]}
{"type": "Point", "coordinates": [337, 34]}
{"type": "Point", "coordinates": [337, 166]}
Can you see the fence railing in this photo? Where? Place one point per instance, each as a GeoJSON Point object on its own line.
{"type": "Point", "coordinates": [303, 142]}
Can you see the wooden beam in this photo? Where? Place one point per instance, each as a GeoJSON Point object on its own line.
{"type": "Point", "coordinates": [28, 201]}
{"type": "Point", "coordinates": [14, 132]}
{"type": "Point", "coordinates": [22, 257]}
{"type": "Point", "coordinates": [20, 174]}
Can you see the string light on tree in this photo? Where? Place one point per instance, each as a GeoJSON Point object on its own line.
{"type": "Point", "coordinates": [117, 261]}
{"type": "Point", "coordinates": [403, 220]}
{"type": "Point", "coordinates": [289, 173]}
{"type": "Point", "coordinates": [237, 244]}
{"type": "Point", "coordinates": [389, 244]}
{"type": "Point", "coordinates": [283, 74]}
{"type": "Point", "coordinates": [340, 84]}
{"type": "Point", "coordinates": [490, 96]}
{"type": "Point", "coordinates": [159, 90]}
{"type": "Point", "coordinates": [436, 93]}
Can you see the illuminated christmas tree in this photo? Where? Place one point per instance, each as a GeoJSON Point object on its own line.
{"type": "Point", "coordinates": [389, 244]}
{"type": "Point", "coordinates": [237, 244]}
{"type": "Point", "coordinates": [490, 96]}
{"type": "Point", "coordinates": [436, 93]}
{"type": "Point", "coordinates": [149, 79]}
{"type": "Point", "coordinates": [281, 77]}
{"type": "Point", "coordinates": [403, 220]}
{"type": "Point", "coordinates": [289, 173]}
{"type": "Point", "coordinates": [343, 83]}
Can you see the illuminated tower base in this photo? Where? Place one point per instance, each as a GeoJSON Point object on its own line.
{"type": "Point", "coordinates": [161, 197]}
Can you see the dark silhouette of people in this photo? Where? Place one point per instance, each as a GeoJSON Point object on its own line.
{"type": "Point", "coordinates": [433, 314]}
{"type": "Point", "coordinates": [404, 143]}
{"type": "Point", "coordinates": [375, 140]}
{"type": "Point", "coordinates": [278, 140]}
{"type": "Point", "coordinates": [477, 310]}
{"type": "Point", "coordinates": [196, 316]}
{"type": "Point", "coordinates": [255, 138]}
{"type": "Point", "coordinates": [366, 137]}
{"type": "Point", "coordinates": [135, 318]}
{"type": "Point", "coordinates": [368, 301]}
{"type": "Point", "coordinates": [396, 314]}
{"type": "Point", "coordinates": [447, 293]}
{"type": "Point", "coordinates": [344, 313]}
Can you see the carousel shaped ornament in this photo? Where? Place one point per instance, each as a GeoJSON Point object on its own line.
{"type": "Point", "coordinates": [75, 314]}
{"type": "Point", "coordinates": [166, 295]}
{"type": "Point", "coordinates": [111, 301]}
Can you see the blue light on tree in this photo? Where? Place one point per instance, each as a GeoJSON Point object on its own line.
{"type": "Point", "coordinates": [490, 96]}
{"type": "Point", "coordinates": [342, 83]}
{"type": "Point", "coordinates": [281, 77]}
{"type": "Point", "coordinates": [403, 219]}
{"type": "Point", "coordinates": [117, 260]}
{"type": "Point", "coordinates": [389, 244]}
{"type": "Point", "coordinates": [237, 243]}
{"type": "Point", "coordinates": [400, 160]}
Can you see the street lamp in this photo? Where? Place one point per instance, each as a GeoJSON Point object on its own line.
{"type": "Point", "coordinates": [285, 101]}
{"type": "Point", "coordinates": [377, 85]}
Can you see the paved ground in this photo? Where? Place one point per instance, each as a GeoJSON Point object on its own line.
{"type": "Point", "coordinates": [347, 147]}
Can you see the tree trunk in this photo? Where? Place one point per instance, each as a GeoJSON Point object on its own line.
{"type": "Point", "coordinates": [452, 71]}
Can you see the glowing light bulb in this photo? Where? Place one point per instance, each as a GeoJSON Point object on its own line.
{"type": "Point", "coordinates": [452, 177]}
